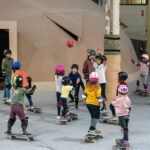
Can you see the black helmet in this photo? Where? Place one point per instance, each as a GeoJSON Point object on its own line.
{"type": "Point", "coordinates": [7, 51]}
{"type": "Point", "coordinates": [122, 76]}
{"type": "Point", "coordinates": [75, 66]}
{"type": "Point", "coordinates": [104, 57]}
{"type": "Point", "coordinates": [65, 80]}
{"type": "Point", "coordinates": [18, 80]}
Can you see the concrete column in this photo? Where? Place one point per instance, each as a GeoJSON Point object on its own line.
{"type": "Point", "coordinates": [148, 29]}
{"type": "Point", "coordinates": [107, 24]}
{"type": "Point", "coordinates": [112, 50]}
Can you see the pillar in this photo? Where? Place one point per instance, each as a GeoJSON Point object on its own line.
{"type": "Point", "coordinates": [148, 29]}
{"type": "Point", "coordinates": [112, 49]}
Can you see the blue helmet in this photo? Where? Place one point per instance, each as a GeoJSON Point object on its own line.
{"type": "Point", "coordinates": [16, 65]}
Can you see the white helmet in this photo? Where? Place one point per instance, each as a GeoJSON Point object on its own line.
{"type": "Point", "coordinates": [94, 77]}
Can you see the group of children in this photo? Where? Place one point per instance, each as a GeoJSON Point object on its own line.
{"type": "Point", "coordinates": [94, 69]}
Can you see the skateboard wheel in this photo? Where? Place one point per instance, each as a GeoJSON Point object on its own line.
{"type": "Point", "coordinates": [28, 140]}
{"type": "Point", "coordinates": [93, 141]}
{"type": "Point", "coordinates": [102, 136]}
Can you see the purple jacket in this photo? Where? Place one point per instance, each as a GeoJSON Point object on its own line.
{"type": "Point", "coordinates": [88, 68]}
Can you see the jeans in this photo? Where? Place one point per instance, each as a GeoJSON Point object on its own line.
{"type": "Point", "coordinates": [29, 97]}
{"type": "Point", "coordinates": [7, 87]}
{"type": "Point", "coordinates": [58, 102]}
{"type": "Point", "coordinates": [95, 114]}
{"type": "Point", "coordinates": [65, 106]}
{"type": "Point", "coordinates": [124, 120]}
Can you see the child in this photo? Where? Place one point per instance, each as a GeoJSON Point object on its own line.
{"type": "Point", "coordinates": [122, 77]}
{"type": "Point", "coordinates": [76, 82]}
{"type": "Point", "coordinates": [88, 65]}
{"type": "Point", "coordinates": [100, 67]}
{"type": "Point", "coordinates": [122, 105]}
{"type": "Point", "coordinates": [92, 93]}
{"type": "Point", "coordinates": [144, 69]}
{"type": "Point", "coordinates": [17, 71]}
{"type": "Point", "coordinates": [17, 103]}
{"type": "Point", "coordinates": [66, 88]}
{"type": "Point", "coordinates": [7, 73]}
{"type": "Point", "coordinates": [59, 73]}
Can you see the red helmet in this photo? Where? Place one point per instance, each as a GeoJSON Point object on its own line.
{"type": "Point", "coordinates": [70, 43]}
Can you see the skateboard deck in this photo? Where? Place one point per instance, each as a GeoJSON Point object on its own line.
{"type": "Point", "coordinates": [119, 145]}
{"type": "Point", "coordinates": [35, 109]}
{"type": "Point", "coordinates": [90, 138]}
{"type": "Point", "coordinates": [109, 121]}
{"type": "Point", "coordinates": [20, 137]}
{"type": "Point", "coordinates": [141, 93]}
{"type": "Point", "coordinates": [103, 114]}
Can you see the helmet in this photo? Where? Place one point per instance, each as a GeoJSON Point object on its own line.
{"type": "Point", "coordinates": [123, 76]}
{"type": "Point", "coordinates": [65, 80]}
{"type": "Point", "coordinates": [145, 56]}
{"type": "Point", "coordinates": [16, 65]}
{"type": "Point", "coordinates": [7, 51]}
{"type": "Point", "coordinates": [75, 66]}
{"type": "Point", "coordinates": [94, 77]}
{"type": "Point", "coordinates": [92, 53]}
{"type": "Point", "coordinates": [123, 89]}
{"type": "Point", "coordinates": [17, 80]}
{"type": "Point", "coordinates": [70, 43]}
{"type": "Point", "coordinates": [59, 69]}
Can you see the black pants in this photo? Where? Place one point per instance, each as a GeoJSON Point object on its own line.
{"type": "Point", "coordinates": [112, 108]}
{"type": "Point", "coordinates": [103, 88]}
{"type": "Point", "coordinates": [77, 90]}
{"type": "Point", "coordinates": [65, 106]}
{"type": "Point", "coordinates": [124, 120]}
{"type": "Point", "coordinates": [58, 102]}
{"type": "Point", "coordinates": [95, 114]}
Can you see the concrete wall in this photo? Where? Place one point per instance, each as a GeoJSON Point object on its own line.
{"type": "Point", "coordinates": [137, 24]}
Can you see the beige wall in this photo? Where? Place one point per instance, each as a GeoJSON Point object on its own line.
{"type": "Point", "coordinates": [137, 24]}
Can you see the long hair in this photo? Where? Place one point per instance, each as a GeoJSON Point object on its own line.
{"type": "Point", "coordinates": [93, 86]}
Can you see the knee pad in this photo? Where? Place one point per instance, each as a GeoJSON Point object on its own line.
{"type": "Point", "coordinates": [11, 121]}
{"type": "Point", "coordinates": [138, 82]}
{"type": "Point", "coordinates": [145, 86]}
{"type": "Point", "coordinates": [58, 104]}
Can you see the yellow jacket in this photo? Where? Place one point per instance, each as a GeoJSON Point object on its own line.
{"type": "Point", "coordinates": [65, 91]}
{"type": "Point", "coordinates": [92, 96]}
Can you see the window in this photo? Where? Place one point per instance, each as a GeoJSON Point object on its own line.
{"type": "Point", "coordinates": [133, 2]}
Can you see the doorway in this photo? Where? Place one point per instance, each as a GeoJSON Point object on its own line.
{"type": "Point", "coordinates": [4, 44]}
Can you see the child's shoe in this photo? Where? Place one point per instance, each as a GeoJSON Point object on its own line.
{"type": "Point", "coordinates": [137, 91]}
{"type": "Point", "coordinates": [9, 100]}
{"type": "Point", "coordinates": [26, 133]}
{"type": "Point", "coordinates": [4, 99]}
{"type": "Point", "coordinates": [8, 132]}
{"type": "Point", "coordinates": [58, 117]}
{"type": "Point", "coordinates": [126, 144]}
{"type": "Point", "coordinates": [93, 132]}
{"type": "Point", "coordinates": [76, 107]}
{"type": "Point", "coordinates": [146, 92]}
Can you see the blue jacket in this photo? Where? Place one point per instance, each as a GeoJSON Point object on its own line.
{"type": "Point", "coordinates": [74, 77]}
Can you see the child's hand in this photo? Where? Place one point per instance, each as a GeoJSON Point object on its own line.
{"type": "Point", "coordinates": [132, 60]}
{"type": "Point", "coordinates": [78, 80]}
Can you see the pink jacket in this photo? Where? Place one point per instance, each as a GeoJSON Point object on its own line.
{"type": "Point", "coordinates": [122, 105]}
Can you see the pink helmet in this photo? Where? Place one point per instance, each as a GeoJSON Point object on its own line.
{"type": "Point", "coordinates": [94, 77]}
{"type": "Point", "coordinates": [123, 89]}
{"type": "Point", "coordinates": [145, 56]}
{"type": "Point", "coordinates": [59, 69]}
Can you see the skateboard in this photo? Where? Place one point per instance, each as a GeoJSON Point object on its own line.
{"type": "Point", "coordinates": [103, 114]}
{"type": "Point", "coordinates": [90, 138]}
{"type": "Point", "coordinates": [35, 109]}
{"type": "Point", "coordinates": [119, 145]}
{"type": "Point", "coordinates": [20, 137]}
{"type": "Point", "coordinates": [65, 122]}
{"type": "Point", "coordinates": [73, 116]}
{"type": "Point", "coordinates": [109, 121]}
{"type": "Point", "coordinates": [142, 93]}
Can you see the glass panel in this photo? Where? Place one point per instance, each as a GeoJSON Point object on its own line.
{"type": "Point", "coordinates": [130, 2]}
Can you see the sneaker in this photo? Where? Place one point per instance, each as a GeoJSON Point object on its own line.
{"type": "Point", "coordinates": [58, 117]}
{"type": "Point", "coordinates": [76, 107]}
{"type": "Point", "coordinates": [126, 144]}
{"type": "Point", "coordinates": [137, 91]}
{"type": "Point", "coordinates": [31, 107]}
{"type": "Point", "coordinates": [8, 132]}
{"type": "Point", "coordinates": [26, 133]}
{"type": "Point", "coordinates": [146, 92]}
{"type": "Point", "coordinates": [114, 118]}
{"type": "Point", "coordinates": [93, 132]}
{"type": "Point", "coordinates": [71, 101]}
{"type": "Point", "coordinates": [4, 99]}
{"type": "Point", "coordinates": [9, 100]}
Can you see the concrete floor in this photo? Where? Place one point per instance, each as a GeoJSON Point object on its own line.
{"type": "Point", "coordinates": [51, 136]}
